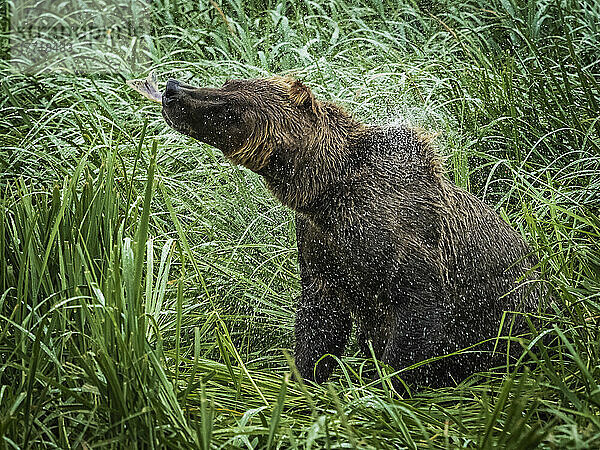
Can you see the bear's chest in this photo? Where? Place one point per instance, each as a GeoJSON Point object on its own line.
{"type": "Point", "coordinates": [356, 265]}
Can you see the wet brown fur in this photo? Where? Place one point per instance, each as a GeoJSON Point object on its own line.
{"type": "Point", "coordinates": [386, 242]}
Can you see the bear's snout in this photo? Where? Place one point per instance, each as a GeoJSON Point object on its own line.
{"type": "Point", "coordinates": [171, 92]}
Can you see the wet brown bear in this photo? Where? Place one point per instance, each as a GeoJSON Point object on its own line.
{"type": "Point", "coordinates": [385, 241]}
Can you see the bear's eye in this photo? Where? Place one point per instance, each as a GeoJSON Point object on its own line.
{"type": "Point", "coordinates": [230, 83]}
{"type": "Point", "coordinates": [227, 115]}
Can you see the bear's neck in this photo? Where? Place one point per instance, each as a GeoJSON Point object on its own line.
{"type": "Point", "coordinates": [307, 179]}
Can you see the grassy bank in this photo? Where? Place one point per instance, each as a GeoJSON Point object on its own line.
{"type": "Point", "coordinates": [147, 287]}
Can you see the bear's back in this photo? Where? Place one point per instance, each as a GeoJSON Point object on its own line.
{"type": "Point", "coordinates": [403, 190]}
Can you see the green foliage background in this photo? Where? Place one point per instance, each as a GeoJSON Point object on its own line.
{"type": "Point", "coordinates": [147, 287]}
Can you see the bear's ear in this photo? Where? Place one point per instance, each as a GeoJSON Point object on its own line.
{"type": "Point", "coordinates": [301, 95]}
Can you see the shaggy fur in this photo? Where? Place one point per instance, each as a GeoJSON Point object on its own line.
{"type": "Point", "coordinates": [421, 267]}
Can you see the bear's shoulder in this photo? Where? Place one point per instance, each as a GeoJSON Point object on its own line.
{"type": "Point", "coordinates": [398, 151]}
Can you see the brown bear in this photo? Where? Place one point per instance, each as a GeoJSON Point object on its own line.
{"type": "Point", "coordinates": [386, 242]}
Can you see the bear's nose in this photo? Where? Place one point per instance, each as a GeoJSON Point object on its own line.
{"type": "Point", "coordinates": [172, 88]}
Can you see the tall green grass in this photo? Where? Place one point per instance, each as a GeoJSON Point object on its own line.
{"type": "Point", "coordinates": [147, 287]}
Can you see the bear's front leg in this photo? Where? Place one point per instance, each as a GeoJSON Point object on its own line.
{"type": "Point", "coordinates": [424, 325]}
{"type": "Point", "coordinates": [321, 329]}
{"type": "Point", "coordinates": [323, 323]}
{"type": "Point", "coordinates": [415, 337]}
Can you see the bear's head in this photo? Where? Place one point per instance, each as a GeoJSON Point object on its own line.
{"type": "Point", "coordinates": [248, 120]}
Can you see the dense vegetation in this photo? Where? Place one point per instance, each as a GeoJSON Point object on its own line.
{"type": "Point", "coordinates": [147, 287]}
